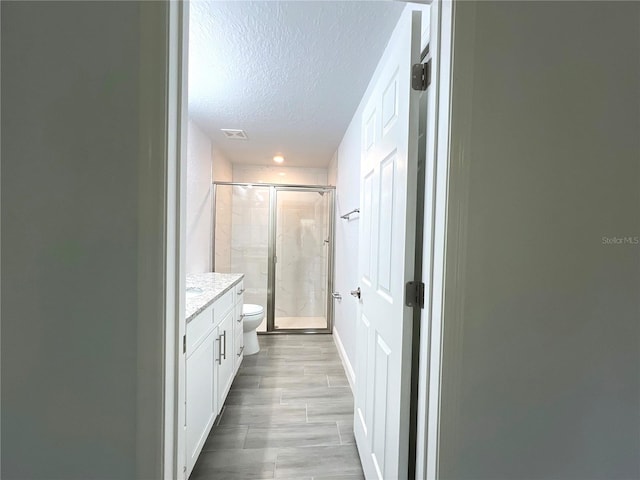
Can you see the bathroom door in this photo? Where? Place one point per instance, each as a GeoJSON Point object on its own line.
{"type": "Point", "coordinates": [302, 243]}
{"type": "Point", "coordinates": [388, 184]}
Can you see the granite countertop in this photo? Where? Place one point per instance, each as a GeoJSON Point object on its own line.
{"type": "Point", "coordinates": [209, 287]}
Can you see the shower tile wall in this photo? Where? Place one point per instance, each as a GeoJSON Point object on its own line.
{"type": "Point", "coordinates": [223, 229]}
{"type": "Point", "coordinates": [279, 174]}
{"type": "Point", "coordinates": [250, 240]}
{"type": "Point", "coordinates": [301, 278]}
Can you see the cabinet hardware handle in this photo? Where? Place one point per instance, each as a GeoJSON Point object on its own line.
{"type": "Point", "coordinates": [224, 355]}
{"type": "Point", "coordinates": [219, 340]}
{"type": "Point", "coordinates": [241, 292]}
{"type": "Point", "coordinates": [241, 350]}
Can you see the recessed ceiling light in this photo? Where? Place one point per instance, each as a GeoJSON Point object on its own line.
{"type": "Point", "coordinates": [278, 159]}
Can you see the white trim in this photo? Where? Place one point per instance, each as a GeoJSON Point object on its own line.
{"type": "Point", "coordinates": [175, 235]}
{"type": "Point", "coordinates": [153, 161]}
{"type": "Point", "coordinates": [438, 126]}
{"type": "Point", "coordinates": [452, 42]}
{"type": "Point", "coordinates": [351, 374]}
{"type": "Point", "coordinates": [461, 73]}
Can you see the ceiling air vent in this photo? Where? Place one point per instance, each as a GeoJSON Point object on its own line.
{"type": "Point", "coordinates": [234, 134]}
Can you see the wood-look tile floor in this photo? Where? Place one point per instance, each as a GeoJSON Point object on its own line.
{"type": "Point", "coordinates": [289, 415]}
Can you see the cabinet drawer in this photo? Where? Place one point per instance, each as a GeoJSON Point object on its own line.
{"type": "Point", "coordinates": [198, 328]}
{"type": "Point", "coordinates": [222, 306]}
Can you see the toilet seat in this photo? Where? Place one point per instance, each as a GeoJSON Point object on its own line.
{"type": "Point", "coordinates": [251, 310]}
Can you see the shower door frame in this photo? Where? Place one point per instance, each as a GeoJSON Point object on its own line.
{"type": "Point", "coordinates": [271, 253]}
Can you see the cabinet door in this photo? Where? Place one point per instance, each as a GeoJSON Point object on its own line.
{"type": "Point", "coordinates": [225, 357]}
{"type": "Point", "coordinates": [200, 398]}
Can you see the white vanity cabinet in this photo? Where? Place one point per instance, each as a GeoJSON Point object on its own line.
{"type": "Point", "coordinates": [213, 352]}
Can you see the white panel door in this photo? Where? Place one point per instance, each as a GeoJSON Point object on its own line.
{"type": "Point", "coordinates": [387, 237]}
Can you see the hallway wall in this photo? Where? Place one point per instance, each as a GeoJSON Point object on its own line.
{"type": "Point", "coordinates": [541, 372]}
{"type": "Point", "coordinates": [83, 155]}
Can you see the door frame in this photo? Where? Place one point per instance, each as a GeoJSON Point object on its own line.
{"type": "Point", "coordinates": [445, 216]}
{"type": "Point", "coordinates": [173, 463]}
{"type": "Point", "coordinates": [173, 224]}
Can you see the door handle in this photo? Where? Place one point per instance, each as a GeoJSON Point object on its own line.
{"type": "Point", "coordinates": [356, 293]}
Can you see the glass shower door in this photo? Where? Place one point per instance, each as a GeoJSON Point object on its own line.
{"type": "Point", "coordinates": [302, 245]}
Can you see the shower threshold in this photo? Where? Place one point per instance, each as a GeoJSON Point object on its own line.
{"type": "Point", "coordinates": [297, 324]}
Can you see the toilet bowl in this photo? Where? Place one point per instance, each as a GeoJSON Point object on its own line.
{"type": "Point", "coordinates": [252, 318]}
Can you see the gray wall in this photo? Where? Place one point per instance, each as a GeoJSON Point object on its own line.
{"type": "Point", "coordinates": [549, 376]}
{"type": "Point", "coordinates": [71, 96]}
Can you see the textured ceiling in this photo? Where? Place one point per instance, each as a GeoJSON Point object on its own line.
{"type": "Point", "coordinates": [291, 74]}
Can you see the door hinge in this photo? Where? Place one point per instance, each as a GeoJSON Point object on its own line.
{"type": "Point", "coordinates": [414, 294]}
{"type": "Point", "coordinates": [421, 75]}
{"type": "Point", "coordinates": [184, 344]}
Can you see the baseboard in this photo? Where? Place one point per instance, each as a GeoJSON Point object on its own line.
{"type": "Point", "coordinates": [351, 375]}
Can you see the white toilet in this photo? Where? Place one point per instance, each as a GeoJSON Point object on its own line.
{"type": "Point", "coordinates": [252, 318]}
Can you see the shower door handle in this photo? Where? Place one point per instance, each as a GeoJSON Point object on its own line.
{"type": "Point", "coordinates": [356, 293]}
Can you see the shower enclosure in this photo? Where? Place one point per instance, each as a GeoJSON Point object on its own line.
{"type": "Point", "coordinates": [281, 238]}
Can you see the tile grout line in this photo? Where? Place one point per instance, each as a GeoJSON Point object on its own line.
{"type": "Point", "coordinates": [339, 435]}
{"type": "Point", "coordinates": [275, 463]}
{"type": "Point", "coordinates": [246, 435]}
